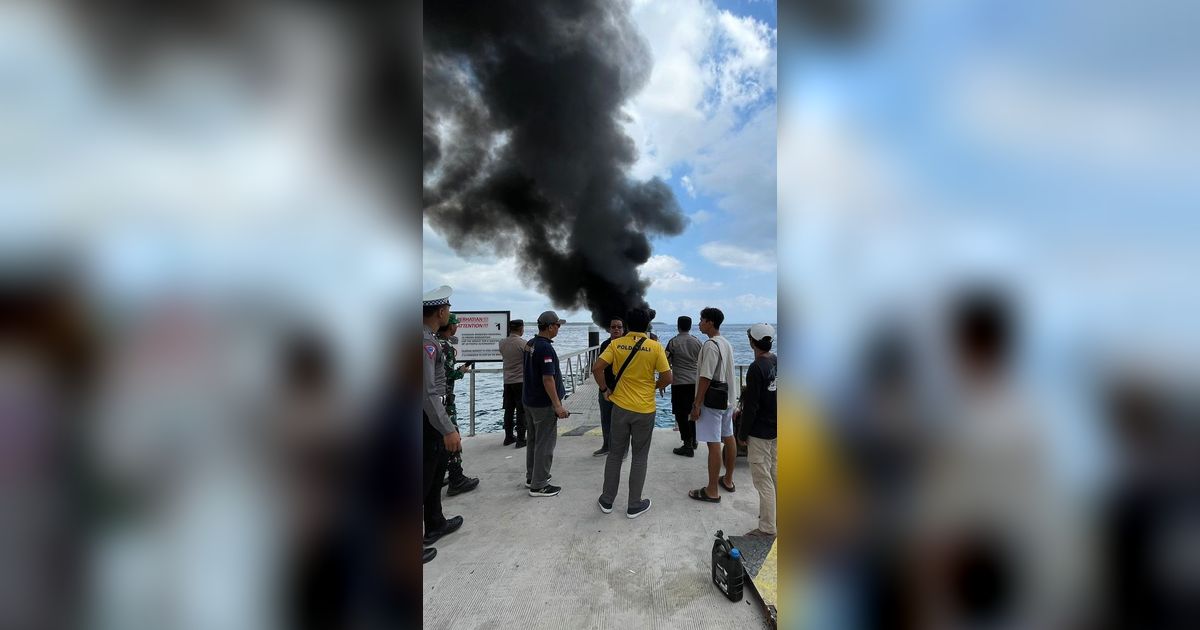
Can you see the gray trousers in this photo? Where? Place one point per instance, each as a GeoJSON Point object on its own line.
{"type": "Point", "coordinates": [541, 432]}
{"type": "Point", "coordinates": [628, 428]}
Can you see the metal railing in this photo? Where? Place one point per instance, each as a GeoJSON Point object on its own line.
{"type": "Point", "coordinates": [578, 371]}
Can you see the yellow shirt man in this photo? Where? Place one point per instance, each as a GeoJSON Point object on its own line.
{"type": "Point", "coordinates": [635, 389]}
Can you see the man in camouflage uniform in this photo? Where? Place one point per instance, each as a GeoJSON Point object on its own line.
{"type": "Point", "coordinates": [457, 480]}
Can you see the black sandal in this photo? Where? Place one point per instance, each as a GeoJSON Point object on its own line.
{"type": "Point", "coordinates": [721, 482]}
{"type": "Point", "coordinates": [701, 494]}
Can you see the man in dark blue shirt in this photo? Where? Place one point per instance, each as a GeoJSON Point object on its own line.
{"type": "Point", "coordinates": [758, 428]}
{"type": "Point", "coordinates": [542, 396]}
{"type": "Point", "coordinates": [616, 330]}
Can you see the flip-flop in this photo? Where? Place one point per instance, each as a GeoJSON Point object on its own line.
{"type": "Point", "coordinates": [721, 482]}
{"type": "Point", "coordinates": [701, 495]}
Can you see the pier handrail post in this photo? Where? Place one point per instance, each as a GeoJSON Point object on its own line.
{"type": "Point", "coordinates": [472, 404]}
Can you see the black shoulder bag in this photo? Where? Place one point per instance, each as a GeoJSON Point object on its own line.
{"type": "Point", "coordinates": [610, 379]}
{"type": "Point", "coordinates": [717, 394]}
{"type": "Point", "coordinates": [632, 353]}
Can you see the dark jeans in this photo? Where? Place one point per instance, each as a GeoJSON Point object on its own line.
{"type": "Point", "coordinates": [682, 398]}
{"type": "Point", "coordinates": [514, 410]}
{"type": "Point", "coordinates": [606, 409]}
{"type": "Point", "coordinates": [629, 428]}
{"type": "Point", "coordinates": [433, 460]}
{"type": "Point", "coordinates": [539, 453]}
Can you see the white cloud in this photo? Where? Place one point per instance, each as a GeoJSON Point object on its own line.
{"type": "Point", "coordinates": [700, 216]}
{"type": "Point", "coordinates": [747, 72]}
{"type": "Point", "coordinates": [729, 255]}
{"type": "Point", "coordinates": [500, 277]}
{"type": "Point", "coordinates": [660, 264]}
{"type": "Point", "coordinates": [688, 186]}
{"type": "Point", "coordinates": [485, 282]}
{"type": "Point", "coordinates": [665, 273]}
{"type": "Point", "coordinates": [741, 173]}
{"type": "Point", "coordinates": [490, 276]}
{"type": "Point", "coordinates": [712, 69]}
{"type": "Point", "coordinates": [750, 302]}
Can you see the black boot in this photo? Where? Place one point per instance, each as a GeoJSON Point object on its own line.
{"type": "Point", "coordinates": [467, 484]}
{"type": "Point", "coordinates": [451, 526]}
{"type": "Point", "coordinates": [429, 554]}
{"type": "Point", "coordinates": [509, 439]}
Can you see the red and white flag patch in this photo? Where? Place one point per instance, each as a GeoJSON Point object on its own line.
{"type": "Point", "coordinates": [548, 360]}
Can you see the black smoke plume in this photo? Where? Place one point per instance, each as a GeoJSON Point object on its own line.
{"type": "Point", "coordinates": [523, 147]}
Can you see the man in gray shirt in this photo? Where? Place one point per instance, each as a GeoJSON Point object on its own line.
{"type": "Point", "coordinates": [512, 349]}
{"type": "Point", "coordinates": [683, 352]}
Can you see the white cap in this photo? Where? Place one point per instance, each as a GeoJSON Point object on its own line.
{"type": "Point", "coordinates": [437, 297]}
{"type": "Point", "coordinates": [758, 331]}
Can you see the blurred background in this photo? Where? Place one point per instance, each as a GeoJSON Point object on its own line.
{"type": "Point", "coordinates": [208, 271]}
{"type": "Point", "coordinates": [986, 245]}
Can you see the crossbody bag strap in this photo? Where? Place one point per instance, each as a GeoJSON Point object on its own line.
{"type": "Point", "coordinates": [632, 353]}
{"type": "Point", "coordinates": [717, 369]}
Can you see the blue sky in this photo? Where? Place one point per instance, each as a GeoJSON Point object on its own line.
{"type": "Point", "coordinates": [705, 123]}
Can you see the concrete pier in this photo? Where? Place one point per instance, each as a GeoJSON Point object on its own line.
{"type": "Point", "coordinates": [559, 562]}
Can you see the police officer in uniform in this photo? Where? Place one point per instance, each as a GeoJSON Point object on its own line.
{"type": "Point", "coordinates": [439, 435]}
{"type": "Point", "coordinates": [458, 482]}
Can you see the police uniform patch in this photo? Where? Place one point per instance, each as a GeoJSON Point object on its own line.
{"type": "Point", "coordinates": [431, 350]}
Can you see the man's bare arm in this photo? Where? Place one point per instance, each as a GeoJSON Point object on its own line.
{"type": "Point", "coordinates": [598, 373]}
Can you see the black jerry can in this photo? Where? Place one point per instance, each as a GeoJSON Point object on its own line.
{"type": "Point", "coordinates": [727, 571]}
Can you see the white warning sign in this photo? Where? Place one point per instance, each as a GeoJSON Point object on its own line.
{"type": "Point", "coordinates": [479, 335]}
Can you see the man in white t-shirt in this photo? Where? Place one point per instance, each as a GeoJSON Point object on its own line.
{"type": "Point", "coordinates": [714, 425]}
